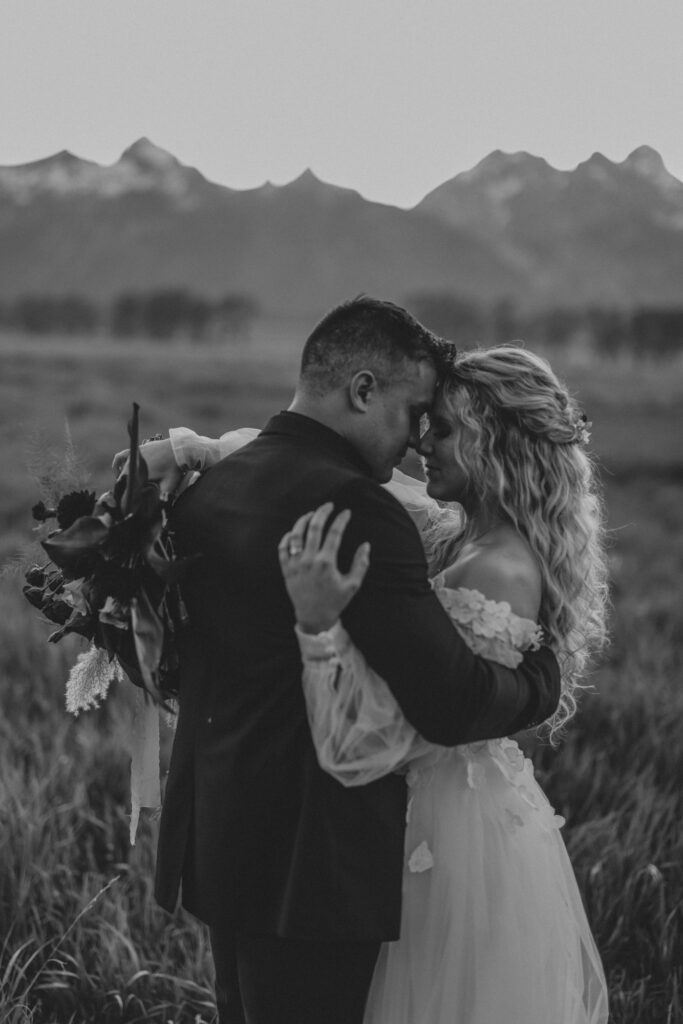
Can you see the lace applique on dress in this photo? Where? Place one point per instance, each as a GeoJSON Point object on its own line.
{"type": "Point", "coordinates": [490, 628]}
{"type": "Point", "coordinates": [421, 859]}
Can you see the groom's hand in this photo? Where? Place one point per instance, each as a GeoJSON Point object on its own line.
{"type": "Point", "coordinates": [318, 590]}
{"type": "Point", "coordinates": [162, 467]}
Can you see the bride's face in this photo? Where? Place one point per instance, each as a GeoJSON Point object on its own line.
{"type": "Point", "coordinates": [441, 449]}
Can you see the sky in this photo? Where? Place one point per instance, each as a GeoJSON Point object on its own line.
{"type": "Point", "coordinates": [390, 97]}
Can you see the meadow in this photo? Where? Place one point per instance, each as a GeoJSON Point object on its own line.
{"type": "Point", "coordinates": [81, 939]}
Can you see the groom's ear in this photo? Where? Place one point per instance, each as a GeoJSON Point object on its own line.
{"type": "Point", "coordinates": [362, 389]}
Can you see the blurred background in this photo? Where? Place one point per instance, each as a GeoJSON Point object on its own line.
{"type": "Point", "coordinates": [184, 191]}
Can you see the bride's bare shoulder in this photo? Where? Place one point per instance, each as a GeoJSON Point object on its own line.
{"type": "Point", "coordinates": [503, 567]}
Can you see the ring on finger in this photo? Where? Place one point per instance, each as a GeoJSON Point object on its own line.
{"type": "Point", "coordinates": [294, 548]}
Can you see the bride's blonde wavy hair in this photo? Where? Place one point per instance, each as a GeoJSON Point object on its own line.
{"type": "Point", "coordinates": [524, 450]}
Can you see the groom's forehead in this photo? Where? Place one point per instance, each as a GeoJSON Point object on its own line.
{"type": "Point", "coordinates": [421, 380]}
{"type": "Point", "coordinates": [416, 372]}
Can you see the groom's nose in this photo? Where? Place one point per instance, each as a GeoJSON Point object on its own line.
{"type": "Point", "coordinates": [414, 435]}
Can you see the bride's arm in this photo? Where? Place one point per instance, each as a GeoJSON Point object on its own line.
{"type": "Point", "coordinates": [358, 729]}
{"type": "Point", "coordinates": [194, 452]}
{"type": "Point", "coordinates": [182, 452]}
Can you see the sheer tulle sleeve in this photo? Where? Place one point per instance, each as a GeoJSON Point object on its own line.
{"type": "Point", "coordinates": [357, 727]}
{"type": "Point", "coordinates": [194, 452]}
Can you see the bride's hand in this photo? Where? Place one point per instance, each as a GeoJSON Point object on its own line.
{"type": "Point", "coordinates": [319, 591]}
{"type": "Point", "coordinates": [162, 467]}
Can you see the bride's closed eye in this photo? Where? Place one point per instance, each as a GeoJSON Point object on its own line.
{"type": "Point", "coordinates": [440, 427]}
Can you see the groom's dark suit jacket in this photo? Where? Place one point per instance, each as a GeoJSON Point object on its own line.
{"type": "Point", "coordinates": [261, 837]}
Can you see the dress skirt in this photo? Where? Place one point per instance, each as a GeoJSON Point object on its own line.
{"type": "Point", "coordinates": [493, 926]}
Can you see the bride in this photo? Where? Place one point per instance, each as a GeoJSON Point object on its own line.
{"type": "Point", "coordinates": [493, 929]}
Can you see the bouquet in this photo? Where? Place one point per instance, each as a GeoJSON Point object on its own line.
{"type": "Point", "coordinates": [111, 576]}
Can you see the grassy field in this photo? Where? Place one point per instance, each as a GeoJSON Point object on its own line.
{"type": "Point", "coordinates": [80, 937]}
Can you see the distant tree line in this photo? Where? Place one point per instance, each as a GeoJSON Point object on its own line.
{"type": "Point", "coordinates": [176, 312]}
{"type": "Point", "coordinates": [162, 314]}
{"type": "Point", "coordinates": [654, 333]}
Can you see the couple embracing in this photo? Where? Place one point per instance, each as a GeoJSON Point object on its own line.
{"type": "Point", "coordinates": [344, 808]}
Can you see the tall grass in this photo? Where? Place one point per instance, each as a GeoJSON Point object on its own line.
{"type": "Point", "coordinates": [81, 939]}
{"type": "Point", "coordinates": [617, 778]}
{"type": "Point", "coordinates": [81, 936]}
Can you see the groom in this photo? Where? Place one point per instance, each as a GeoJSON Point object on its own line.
{"type": "Point", "coordinates": [299, 878]}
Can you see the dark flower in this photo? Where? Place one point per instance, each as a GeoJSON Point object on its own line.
{"type": "Point", "coordinates": [53, 608]}
{"type": "Point", "coordinates": [75, 550]}
{"type": "Point", "coordinates": [58, 611]}
{"type": "Point", "coordinates": [73, 506]}
{"type": "Point", "coordinates": [36, 576]}
{"type": "Point", "coordinates": [42, 513]}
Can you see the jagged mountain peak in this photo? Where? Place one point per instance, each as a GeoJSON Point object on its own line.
{"type": "Point", "coordinates": [144, 153]}
{"type": "Point", "coordinates": [308, 181]}
{"type": "Point", "coordinates": [645, 160]}
{"type": "Point", "coordinates": [598, 159]}
{"type": "Point", "coordinates": [528, 209]}
{"type": "Point", "coordinates": [510, 172]}
{"type": "Point", "coordinates": [499, 162]}
{"type": "Point", "coordinates": [308, 186]}
{"type": "Point", "coordinates": [597, 166]}
{"type": "Point", "coordinates": [63, 159]}
{"type": "Point", "coordinates": [499, 176]}
{"type": "Point", "coordinates": [643, 168]}
{"type": "Point", "coordinates": [647, 164]}
{"type": "Point", "coordinates": [58, 174]}
{"type": "Point", "coordinates": [142, 167]}
{"type": "Point", "coordinates": [484, 193]}
{"type": "Point", "coordinates": [306, 178]}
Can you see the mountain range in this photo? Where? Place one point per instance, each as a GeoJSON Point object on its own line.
{"type": "Point", "coordinates": [513, 227]}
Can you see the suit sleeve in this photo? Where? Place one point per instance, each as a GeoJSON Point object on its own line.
{"type": "Point", "coordinates": [446, 692]}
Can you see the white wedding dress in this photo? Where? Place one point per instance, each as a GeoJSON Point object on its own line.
{"type": "Point", "coordinates": [493, 930]}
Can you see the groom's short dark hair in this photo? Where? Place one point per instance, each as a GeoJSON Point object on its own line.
{"type": "Point", "coordinates": [367, 333]}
